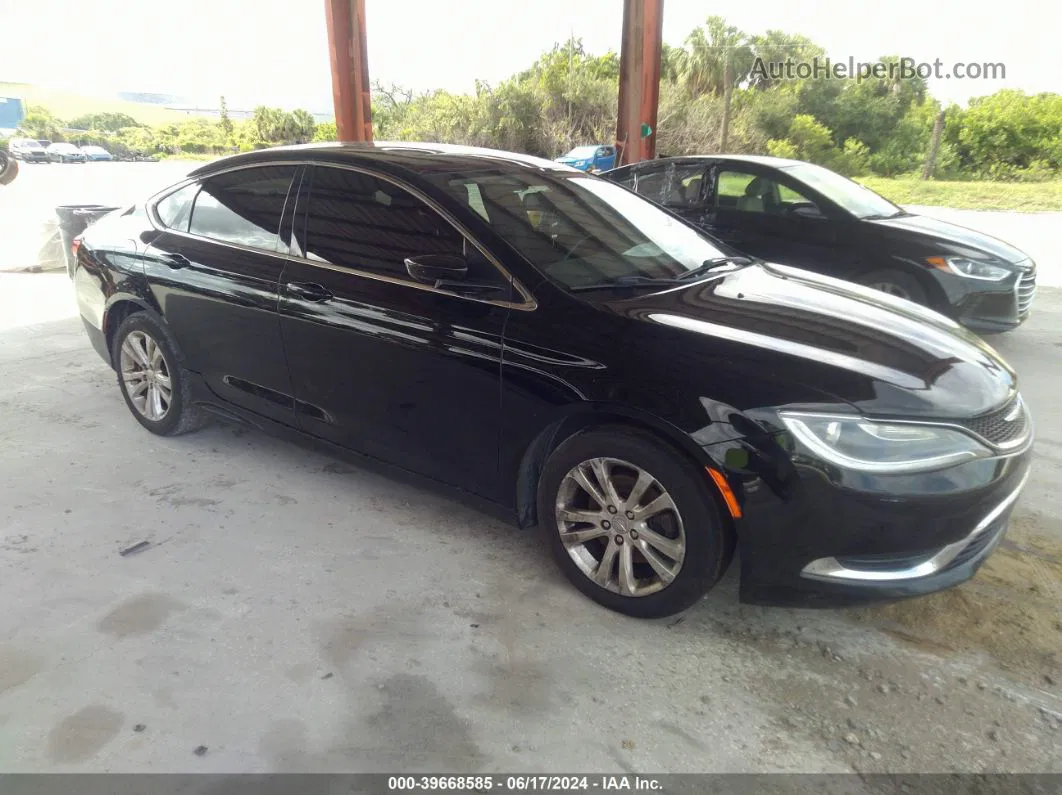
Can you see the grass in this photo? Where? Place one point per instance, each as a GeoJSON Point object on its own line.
{"type": "Point", "coordinates": [67, 105]}
{"type": "Point", "coordinates": [1025, 197]}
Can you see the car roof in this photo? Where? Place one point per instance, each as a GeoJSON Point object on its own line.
{"type": "Point", "coordinates": [760, 160]}
{"type": "Point", "coordinates": [415, 158]}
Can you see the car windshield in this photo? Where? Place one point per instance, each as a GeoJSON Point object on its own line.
{"type": "Point", "coordinates": [92, 149]}
{"type": "Point", "coordinates": [853, 197]}
{"type": "Point", "coordinates": [64, 147]}
{"type": "Point", "coordinates": [582, 151]}
{"type": "Point", "coordinates": [583, 232]}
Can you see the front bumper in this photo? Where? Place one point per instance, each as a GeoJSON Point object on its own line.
{"type": "Point", "coordinates": [992, 306]}
{"type": "Point", "coordinates": [810, 536]}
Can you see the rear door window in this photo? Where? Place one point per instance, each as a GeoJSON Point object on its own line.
{"type": "Point", "coordinates": [243, 207]}
{"type": "Point", "coordinates": [175, 209]}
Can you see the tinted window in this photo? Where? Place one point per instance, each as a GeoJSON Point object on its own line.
{"type": "Point", "coordinates": [583, 231]}
{"type": "Point", "coordinates": [175, 210]}
{"type": "Point", "coordinates": [243, 207]}
{"type": "Point", "coordinates": [753, 193]}
{"type": "Point", "coordinates": [358, 221]}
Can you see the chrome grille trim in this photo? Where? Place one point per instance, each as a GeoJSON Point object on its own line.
{"type": "Point", "coordinates": [1025, 289]}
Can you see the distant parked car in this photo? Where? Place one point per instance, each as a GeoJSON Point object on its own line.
{"type": "Point", "coordinates": [590, 158]}
{"type": "Point", "coordinates": [65, 153]}
{"type": "Point", "coordinates": [799, 214]}
{"type": "Point", "coordinates": [27, 150]}
{"type": "Point", "coordinates": [93, 152]}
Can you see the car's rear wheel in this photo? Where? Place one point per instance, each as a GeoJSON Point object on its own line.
{"type": "Point", "coordinates": [897, 283]}
{"type": "Point", "coordinates": [631, 523]}
{"type": "Point", "coordinates": [154, 385]}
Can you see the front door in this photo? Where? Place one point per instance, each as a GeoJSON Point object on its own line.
{"type": "Point", "coordinates": [215, 274]}
{"type": "Point", "coordinates": [404, 371]}
{"type": "Point", "coordinates": [762, 214]}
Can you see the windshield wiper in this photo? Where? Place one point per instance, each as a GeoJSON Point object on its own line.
{"type": "Point", "coordinates": [711, 265]}
{"type": "Point", "coordinates": [625, 281]}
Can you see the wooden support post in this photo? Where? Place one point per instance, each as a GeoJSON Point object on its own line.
{"type": "Point", "coordinates": [639, 86]}
{"type": "Point", "coordinates": [351, 91]}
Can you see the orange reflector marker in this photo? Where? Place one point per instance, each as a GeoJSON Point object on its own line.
{"type": "Point", "coordinates": [724, 489]}
{"type": "Point", "coordinates": [938, 262]}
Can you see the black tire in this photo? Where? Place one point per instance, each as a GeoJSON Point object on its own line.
{"type": "Point", "coordinates": [181, 415]}
{"type": "Point", "coordinates": [897, 283]}
{"type": "Point", "coordinates": [709, 541]}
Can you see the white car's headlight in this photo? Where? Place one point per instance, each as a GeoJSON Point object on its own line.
{"type": "Point", "coordinates": [970, 268]}
{"type": "Point", "coordinates": [882, 447]}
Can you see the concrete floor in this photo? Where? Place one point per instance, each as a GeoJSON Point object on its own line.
{"type": "Point", "coordinates": [295, 613]}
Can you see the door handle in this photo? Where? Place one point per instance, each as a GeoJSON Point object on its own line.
{"type": "Point", "coordinates": [176, 261]}
{"type": "Point", "coordinates": [311, 291]}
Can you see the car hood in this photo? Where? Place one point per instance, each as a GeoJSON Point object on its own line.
{"type": "Point", "coordinates": [958, 239]}
{"type": "Point", "coordinates": [881, 354]}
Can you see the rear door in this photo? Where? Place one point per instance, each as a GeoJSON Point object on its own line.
{"type": "Point", "coordinates": [215, 272]}
{"type": "Point", "coordinates": [406, 372]}
{"type": "Point", "coordinates": [679, 186]}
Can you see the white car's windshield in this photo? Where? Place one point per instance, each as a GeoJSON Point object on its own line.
{"type": "Point", "coordinates": [584, 232]}
{"type": "Point", "coordinates": [63, 147]}
{"type": "Point", "coordinates": [861, 202]}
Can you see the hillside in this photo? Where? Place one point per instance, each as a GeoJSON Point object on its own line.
{"type": "Point", "coordinates": [69, 105]}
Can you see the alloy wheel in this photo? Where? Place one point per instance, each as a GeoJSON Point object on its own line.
{"type": "Point", "coordinates": [146, 375]}
{"type": "Point", "coordinates": [620, 526]}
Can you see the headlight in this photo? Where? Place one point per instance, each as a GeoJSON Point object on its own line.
{"type": "Point", "coordinates": [971, 268]}
{"type": "Point", "coordinates": [882, 447]}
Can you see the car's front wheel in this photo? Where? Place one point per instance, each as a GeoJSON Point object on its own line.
{"type": "Point", "coordinates": [897, 283]}
{"type": "Point", "coordinates": [151, 379]}
{"type": "Point", "coordinates": [632, 523]}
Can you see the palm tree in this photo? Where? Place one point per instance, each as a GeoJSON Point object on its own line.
{"type": "Point", "coordinates": [709, 50]}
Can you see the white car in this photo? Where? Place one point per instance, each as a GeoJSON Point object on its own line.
{"type": "Point", "coordinates": [28, 150]}
{"type": "Point", "coordinates": [65, 153]}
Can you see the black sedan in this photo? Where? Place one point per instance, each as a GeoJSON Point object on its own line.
{"type": "Point", "coordinates": [804, 215]}
{"type": "Point", "coordinates": [573, 356]}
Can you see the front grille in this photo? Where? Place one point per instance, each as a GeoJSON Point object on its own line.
{"type": "Point", "coordinates": [995, 427]}
{"type": "Point", "coordinates": [1026, 289]}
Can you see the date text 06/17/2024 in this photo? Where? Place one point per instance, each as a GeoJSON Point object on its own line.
{"type": "Point", "coordinates": [522, 783]}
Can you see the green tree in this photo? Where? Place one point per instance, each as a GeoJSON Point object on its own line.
{"type": "Point", "coordinates": [302, 126]}
{"type": "Point", "coordinates": [225, 122]}
{"type": "Point", "coordinates": [103, 122]}
{"type": "Point", "coordinates": [40, 123]}
{"type": "Point", "coordinates": [714, 52]}
{"type": "Point", "coordinates": [775, 47]}
{"type": "Point", "coordinates": [326, 131]}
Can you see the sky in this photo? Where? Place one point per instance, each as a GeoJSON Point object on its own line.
{"type": "Point", "coordinates": [273, 52]}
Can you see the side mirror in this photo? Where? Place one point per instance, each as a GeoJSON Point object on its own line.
{"type": "Point", "coordinates": [433, 268]}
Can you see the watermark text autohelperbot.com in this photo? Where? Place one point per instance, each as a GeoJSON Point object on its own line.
{"type": "Point", "coordinates": [903, 69]}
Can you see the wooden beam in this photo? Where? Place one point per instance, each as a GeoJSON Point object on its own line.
{"type": "Point", "coordinates": [351, 91]}
{"type": "Point", "coordinates": [639, 86]}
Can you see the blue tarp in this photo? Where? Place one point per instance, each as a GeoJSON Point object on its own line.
{"type": "Point", "coordinates": [12, 112]}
